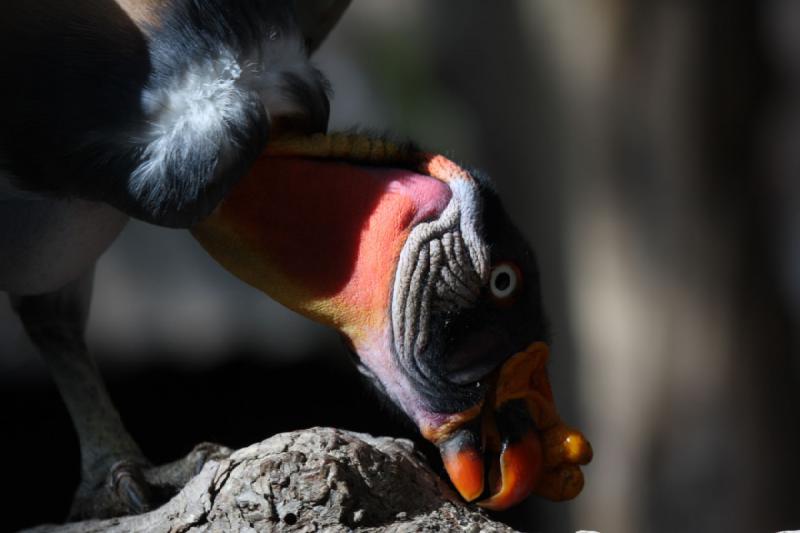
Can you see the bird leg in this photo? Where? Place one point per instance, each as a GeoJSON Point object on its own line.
{"type": "Point", "coordinates": [116, 478]}
{"type": "Point", "coordinates": [111, 462]}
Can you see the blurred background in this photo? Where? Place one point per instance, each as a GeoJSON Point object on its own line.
{"type": "Point", "coordinates": [649, 151]}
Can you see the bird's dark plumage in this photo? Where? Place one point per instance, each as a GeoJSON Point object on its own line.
{"type": "Point", "coordinates": [112, 109]}
{"type": "Point", "coordinates": [158, 116]}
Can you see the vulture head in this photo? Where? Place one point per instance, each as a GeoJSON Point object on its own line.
{"type": "Point", "coordinates": [412, 258]}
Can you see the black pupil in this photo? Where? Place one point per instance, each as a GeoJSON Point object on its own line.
{"type": "Point", "coordinates": [502, 281]}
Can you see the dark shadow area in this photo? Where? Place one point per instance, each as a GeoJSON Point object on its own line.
{"type": "Point", "coordinates": [169, 408]}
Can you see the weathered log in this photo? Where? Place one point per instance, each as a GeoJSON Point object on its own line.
{"type": "Point", "coordinates": [320, 479]}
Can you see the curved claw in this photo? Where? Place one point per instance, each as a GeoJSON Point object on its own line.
{"type": "Point", "coordinates": [128, 483]}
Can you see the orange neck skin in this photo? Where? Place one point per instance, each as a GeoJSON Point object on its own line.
{"type": "Point", "coordinates": [322, 237]}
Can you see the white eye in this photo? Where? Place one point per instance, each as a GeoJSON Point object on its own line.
{"type": "Point", "coordinates": [504, 280]}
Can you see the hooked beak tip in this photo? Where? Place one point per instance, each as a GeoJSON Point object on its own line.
{"type": "Point", "coordinates": [463, 460]}
{"type": "Point", "coordinates": [465, 469]}
{"type": "Point", "coordinates": [515, 444]}
{"type": "Point", "coordinates": [520, 468]}
{"type": "Point", "coordinates": [512, 474]}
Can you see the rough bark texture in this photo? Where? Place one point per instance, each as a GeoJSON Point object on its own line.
{"type": "Point", "coordinates": [313, 480]}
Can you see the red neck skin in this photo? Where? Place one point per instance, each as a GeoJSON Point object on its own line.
{"type": "Point", "coordinates": [322, 237]}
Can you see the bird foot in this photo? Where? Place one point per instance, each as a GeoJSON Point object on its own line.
{"type": "Point", "coordinates": [121, 491]}
{"type": "Point", "coordinates": [133, 487]}
{"type": "Point", "coordinates": [168, 479]}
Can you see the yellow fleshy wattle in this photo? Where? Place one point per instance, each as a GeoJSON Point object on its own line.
{"type": "Point", "coordinates": [524, 377]}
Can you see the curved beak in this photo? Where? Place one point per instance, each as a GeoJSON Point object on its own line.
{"type": "Point", "coordinates": [498, 452]}
{"type": "Point", "coordinates": [515, 444]}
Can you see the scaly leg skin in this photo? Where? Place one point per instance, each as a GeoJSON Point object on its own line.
{"type": "Point", "coordinates": [116, 478]}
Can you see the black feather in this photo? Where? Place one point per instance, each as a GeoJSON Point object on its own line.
{"type": "Point", "coordinates": [76, 121]}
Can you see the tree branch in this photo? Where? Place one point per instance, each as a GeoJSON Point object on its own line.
{"type": "Point", "coordinates": [317, 479]}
